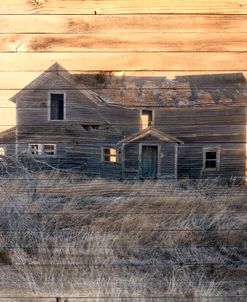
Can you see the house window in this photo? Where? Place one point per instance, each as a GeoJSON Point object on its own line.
{"type": "Point", "coordinates": [40, 149]}
{"type": "Point", "coordinates": [146, 119]}
{"type": "Point", "coordinates": [211, 159]}
{"type": "Point", "coordinates": [2, 153]}
{"type": "Point", "coordinates": [49, 149]}
{"type": "Point", "coordinates": [36, 149]}
{"type": "Point", "coordinates": [110, 155]}
{"type": "Point", "coordinates": [57, 106]}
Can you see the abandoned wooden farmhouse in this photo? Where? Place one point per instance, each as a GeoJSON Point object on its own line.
{"type": "Point", "coordinates": [132, 127]}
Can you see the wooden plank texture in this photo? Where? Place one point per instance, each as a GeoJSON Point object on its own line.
{"type": "Point", "coordinates": [103, 39]}
{"type": "Point", "coordinates": [154, 28]}
{"type": "Point", "coordinates": [122, 7]}
{"type": "Point", "coordinates": [142, 42]}
{"type": "Point", "coordinates": [176, 61]}
{"type": "Point", "coordinates": [84, 24]}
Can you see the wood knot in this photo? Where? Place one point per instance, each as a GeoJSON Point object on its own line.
{"type": "Point", "coordinates": [38, 3]}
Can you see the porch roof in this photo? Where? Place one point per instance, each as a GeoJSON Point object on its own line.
{"type": "Point", "coordinates": [152, 132]}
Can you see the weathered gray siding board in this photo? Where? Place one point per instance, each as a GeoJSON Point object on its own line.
{"type": "Point", "coordinates": [232, 161]}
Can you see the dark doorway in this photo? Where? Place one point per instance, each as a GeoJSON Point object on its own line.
{"type": "Point", "coordinates": [149, 167]}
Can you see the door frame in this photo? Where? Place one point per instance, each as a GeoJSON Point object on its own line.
{"type": "Point", "coordinates": [158, 157]}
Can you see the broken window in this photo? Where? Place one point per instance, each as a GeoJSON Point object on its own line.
{"type": "Point", "coordinates": [95, 127]}
{"type": "Point", "coordinates": [211, 159]}
{"type": "Point", "coordinates": [36, 149]}
{"type": "Point", "coordinates": [110, 155]}
{"type": "Point", "coordinates": [91, 127]}
{"type": "Point", "coordinates": [49, 149]}
{"type": "Point", "coordinates": [146, 119]}
{"type": "Point", "coordinates": [40, 149]}
{"type": "Point", "coordinates": [57, 106]}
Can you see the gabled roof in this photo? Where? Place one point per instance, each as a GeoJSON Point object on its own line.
{"type": "Point", "coordinates": [152, 132]}
{"type": "Point", "coordinates": [157, 90]}
{"type": "Point", "coordinates": [63, 73]}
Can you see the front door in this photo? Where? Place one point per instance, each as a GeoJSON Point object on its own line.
{"type": "Point", "coordinates": [149, 161]}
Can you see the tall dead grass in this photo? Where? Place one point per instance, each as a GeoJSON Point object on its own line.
{"type": "Point", "coordinates": [64, 235]}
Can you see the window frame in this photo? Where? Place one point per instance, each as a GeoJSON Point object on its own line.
{"type": "Point", "coordinates": [42, 154]}
{"type": "Point", "coordinates": [30, 149]}
{"type": "Point", "coordinates": [64, 105]}
{"type": "Point", "coordinates": [103, 155]}
{"type": "Point", "coordinates": [50, 155]}
{"type": "Point", "coordinates": [152, 120]}
{"type": "Point", "coordinates": [217, 160]}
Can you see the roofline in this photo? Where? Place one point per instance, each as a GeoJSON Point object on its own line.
{"type": "Point", "coordinates": [7, 131]}
{"type": "Point", "coordinates": [150, 130]}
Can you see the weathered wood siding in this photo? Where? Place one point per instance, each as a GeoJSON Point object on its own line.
{"type": "Point", "coordinates": [81, 148]}
{"type": "Point", "coordinates": [128, 40]}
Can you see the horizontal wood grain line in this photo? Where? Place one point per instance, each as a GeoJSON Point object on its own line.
{"type": "Point", "coordinates": [68, 122]}
{"type": "Point", "coordinates": [56, 24]}
{"type": "Point", "coordinates": [20, 74]}
{"type": "Point", "coordinates": [164, 72]}
{"type": "Point", "coordinates": [131, 86]}
{"type": "Point", "coordinates": [123, 52]}
{"type": "Point", "coordinates": [78, 264]}
{"type": "Point", "coordinates": [131, 42]}
{"type": "Point", "coordinates": [122, 6]}
{"type": "Point", "coordinates": [133, 298]}
{"type": "Point", "coordinates": [132, 61]}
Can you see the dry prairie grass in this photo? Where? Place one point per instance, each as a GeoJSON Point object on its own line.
{"type": "Point", "coordinates": [63, 235]}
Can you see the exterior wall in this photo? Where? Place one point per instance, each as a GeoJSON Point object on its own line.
{"type": "Point", "coordinates": [232, 163]}
{"type": "Point", "coordinates": [80, 148]}
{"type": "Point", "coordinates": [222, 128]}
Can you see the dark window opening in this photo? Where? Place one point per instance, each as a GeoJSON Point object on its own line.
{"type": "Point", "coordinates": [210, 160]}
{"type": "Point", "coordinates": [86, 127]}
{"type": "Point", "coordinates": [57, 106]}
{"type": "Point", "coordinates": [95, 127]}
{"type": "Point", "coordinates": [92, 127]}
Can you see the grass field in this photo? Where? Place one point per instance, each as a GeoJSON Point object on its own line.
{"type": "Point", "coordinates": [63, 235]}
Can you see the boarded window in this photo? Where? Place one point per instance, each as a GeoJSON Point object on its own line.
{"type": "Point", "coordinates": [110, 155]}
{"type": "Point", "coordinates": [211, 159]}
{"type": "Point", "coordinates": [2, 153]}
{"type": "Point", "coordinates": [146, 118]}
{"type": "Point", "coordinates": [49, 149]}
{"type": "Point", "coordinates": [36, 149]}
{"type": "Point", "coordinates": [57, 106]}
